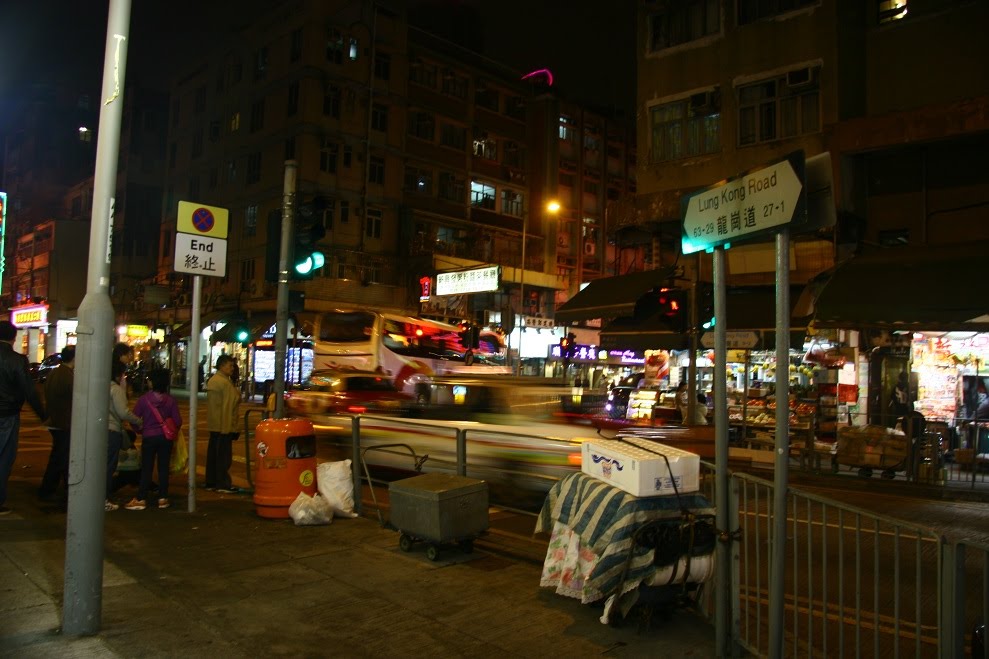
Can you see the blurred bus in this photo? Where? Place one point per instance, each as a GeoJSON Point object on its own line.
{"type": "Point", "coordinates": [408, 349]}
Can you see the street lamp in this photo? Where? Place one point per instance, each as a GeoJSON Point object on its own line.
{"type": "Point", "coordinates": [552, 207]}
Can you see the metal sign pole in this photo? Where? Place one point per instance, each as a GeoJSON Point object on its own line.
{"type": "Point", "coordinates": [197, 296]}
{"type": "Point", "coordinates": [82, 601]}
{"type": "Point", "coordinates": [722, 603]}
{"type": "Point", "coordinates": [781, 476]}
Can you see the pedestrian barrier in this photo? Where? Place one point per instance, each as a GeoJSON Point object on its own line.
{"type": "Point", "coordinates": [286, 458]}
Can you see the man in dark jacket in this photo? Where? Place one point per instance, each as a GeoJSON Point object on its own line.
{"type": "Point", "coordinates": [58, 398]}
{"type": "Point", "coordinates": [15, 388]}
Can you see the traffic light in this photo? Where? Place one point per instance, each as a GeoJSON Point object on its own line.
{"type": "Point", "coordinates": [470, 336]}
{"type": "Point", "coordinates": [671, 305]}
{"type": "Point", "coordinates": [309, 230]}
{"type": "Point", "coordinates": [568, 346]}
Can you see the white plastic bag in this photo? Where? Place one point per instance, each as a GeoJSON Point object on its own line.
{"type": "Point", "coordinates": [310, 510]}
{"type": "Point", "coordinates": [336, 485]}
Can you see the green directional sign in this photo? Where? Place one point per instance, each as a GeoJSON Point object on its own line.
{"type": "Point", "coordinates": [749, 205]}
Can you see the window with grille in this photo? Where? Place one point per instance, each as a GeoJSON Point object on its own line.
{"type": "Point", "coordinates": [379, 117]}
{"type": "Point", "coordinates": [328, 157]}
{"type": "Point", "coordinates": [418, 180]}
{"type": "Point", "coordinates": [197, 143]}
{"type": "Point", "coordinates": [487, 98]}
{"type": "Point", "coordinates": [331, 102]}
{"type": "Point", "coordinates": [376, 170]}
{"type": "Point", "coordinates": [485, 146]}
{"type": "Point", "coordinates": [382, 66]}
{"type": "Point", "coordinates": [423, 74]}
{"type": "Point", "coordinates": [686, 128]}
{"type": "Point", "coordinates": [568, 129]}
{"type": "Point", "coordinates": [453, 136]}
{"type": "Point", "coordinates": [754, 10]}
{"type": "Point", "coordinates": [511, 203]}
{"type": "Point", "coordinates": [422, 125]}
{"type": "Point", "coordinates": [260, 63]}
{"type": "Point", "coordinates": [454, 85]}
{"type": "Point", "coordinates": [293, 99]}
{"type": "Point", "coordinates": [253, 168]}
{"type": "Point", "coordinates": [334, 47]}
{"type": "Point", "coordinates": [451, 187]}
{"type": "Point", "coordinates": [482, 195]}
{"type": "Point", "coordinates": [373, 226]}
{"type": "Point", "coordinates": [251, 220]}
{"type": "Point", "coordinates": [682, 21]}
{"type": "Point", "coordinates": [257, 115]}
{"type": "Point", "coordinates": [780, 107]}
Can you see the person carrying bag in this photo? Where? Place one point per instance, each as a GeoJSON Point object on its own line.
{"type": "Point", "coordinates": [161, 420]}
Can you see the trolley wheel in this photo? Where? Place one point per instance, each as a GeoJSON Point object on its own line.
{"type": "Point", "coordinates": [467, 546]}
{"type": "Point", "coordinates": [865, 472]}
{"type": "Point", "coordinates": [432, 552]}
{"type": "Point", "coordinates": [404, 542]}
{"type": "Point", "coordinates": [889, 474]}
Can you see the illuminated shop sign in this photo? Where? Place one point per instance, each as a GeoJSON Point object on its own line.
{"type": "Point", "coordinates": [138, 331]}
{"type": "Point", "coordinates": [626, 356]}
{"type": "Point", "coordinates": [35, 315]}
{"type": "Point", "coordinates": [479, 280]}
{"type": "Point", "coordinates": [426, 285]}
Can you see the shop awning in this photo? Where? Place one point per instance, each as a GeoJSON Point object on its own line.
{"type": "Point", "coordinates": [181, 331]}
{"type": "Point", "coordinates": [611, 296]}
{"type": "Point", "coordinates": [650, 334]}
{"type": "Point", "coordinates": [917, 287]}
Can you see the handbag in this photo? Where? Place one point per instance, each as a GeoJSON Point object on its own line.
{"type": "Point", "coordinates": [168, 426]}
{"type": "Point", "coordinates": [129, 459]}
{"type": "Point", "coordinates": [180, 455]}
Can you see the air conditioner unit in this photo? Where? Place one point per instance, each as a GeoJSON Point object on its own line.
{"type": "Point", "coordinates": [704, 101]}
{"type": "Point", "coordinates": [590, 248]}
{"type": "Point", "coordinates": [800, 77]}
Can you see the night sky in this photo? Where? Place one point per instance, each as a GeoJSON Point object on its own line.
{"type": "Point", "coordinates": [587, 44]}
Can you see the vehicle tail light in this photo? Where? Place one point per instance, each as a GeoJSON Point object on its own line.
{"type": "Point", "coordinates": [356, 409]}
{"type": "Point", "coordinates": [574, 459]}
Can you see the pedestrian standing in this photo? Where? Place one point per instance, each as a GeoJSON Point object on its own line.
{"type": "Point", "coordinates": [222, 400]}
{"type": "Point", "coordinates": [154, 408]}
{"type": "Point", "coordinates": [119, 413]}
{"type": "Point", "coordinates": [58, 399]}
{"type": "Point", "coordinates": [15, 387]}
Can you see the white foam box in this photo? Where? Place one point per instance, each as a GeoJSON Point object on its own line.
{"type": "Point", "coordinates": [633, 465]}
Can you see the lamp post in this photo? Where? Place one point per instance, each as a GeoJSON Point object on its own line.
{"type": "Point", "coordinates": [552, 207]}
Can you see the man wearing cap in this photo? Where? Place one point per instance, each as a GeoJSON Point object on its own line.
{"type": "Point", "coordinates": [15, 387]}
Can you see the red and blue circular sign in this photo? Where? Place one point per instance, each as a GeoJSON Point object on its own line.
{"type": "Point", "coordinates": [203, 220]}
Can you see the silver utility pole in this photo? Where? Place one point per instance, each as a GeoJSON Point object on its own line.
{"type": "Point", "coordinates": [281, 311]}
{"type": "Point", "coordinates": [83, 593]}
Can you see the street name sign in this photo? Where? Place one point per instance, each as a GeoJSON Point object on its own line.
{"type": "Point", "coordinates": [201, 239]}
{"type": "Point", "coordinates": [748, 205]}
{"type": "Point", "coordinates": [738, 340]}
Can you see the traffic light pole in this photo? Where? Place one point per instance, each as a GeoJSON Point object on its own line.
{"type": "Point", "coordinates": [281, 311]}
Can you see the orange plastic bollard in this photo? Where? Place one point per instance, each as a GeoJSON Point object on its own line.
{"type": "Point", "coordinates": [285, 450]}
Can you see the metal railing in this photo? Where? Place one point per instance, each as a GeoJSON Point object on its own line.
{"type": "Point", "coordinates": [857, 583]}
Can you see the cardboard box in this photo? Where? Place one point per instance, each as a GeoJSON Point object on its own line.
{"type": "Point", "coordinates": [638, 467]}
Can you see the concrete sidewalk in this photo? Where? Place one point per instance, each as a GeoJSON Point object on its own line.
{"type": "Point", "coordinates": [223, 582]}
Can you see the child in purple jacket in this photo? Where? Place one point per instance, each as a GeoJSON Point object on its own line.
{"type": "Point", "coordinates": [153, 408]}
